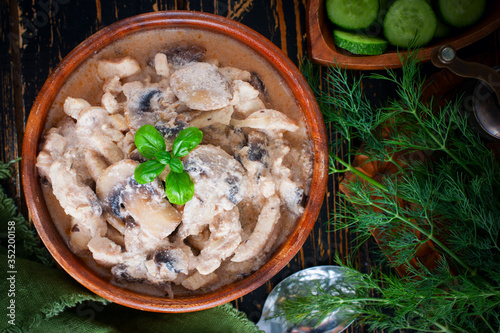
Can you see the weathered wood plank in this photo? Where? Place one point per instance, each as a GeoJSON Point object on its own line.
{"type": "Point", "coordinates": [51, 31]}
{"type": "Point", "coordinates": [7, 121]}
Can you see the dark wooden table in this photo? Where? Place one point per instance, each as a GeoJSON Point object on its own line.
{"type": "Point", "coordinates": [36, 35]}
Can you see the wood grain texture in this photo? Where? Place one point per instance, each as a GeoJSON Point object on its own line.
{"type": "Point", "coordinates": [10, 88]}
{"type": "Point", "coordinates": [48, 30]}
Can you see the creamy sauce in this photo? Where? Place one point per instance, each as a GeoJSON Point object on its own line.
{"type": "Point", "coordinates": [268, 186]}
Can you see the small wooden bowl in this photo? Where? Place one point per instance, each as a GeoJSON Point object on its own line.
{"type": "Point", "coordinates": [161, 20]}
{"type": "Point", "coordinates": [323, 51]}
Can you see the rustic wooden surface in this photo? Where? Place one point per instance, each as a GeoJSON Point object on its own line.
{"type": "Point", "coordinates": [36, 35]}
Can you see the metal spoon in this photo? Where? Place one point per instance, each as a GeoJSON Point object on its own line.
{"type": "Point", "coordinates": [485, 106]}
{"type": "Point", "coordinates": [302, 283]}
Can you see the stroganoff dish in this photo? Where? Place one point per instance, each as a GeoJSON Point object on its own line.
{"type": "Point", "coordinates": [251, 172]}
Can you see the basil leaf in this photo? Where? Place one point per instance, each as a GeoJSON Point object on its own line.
{"type": "Point", "coordinates": [147, 171]}
{"type": "Point", "coordinates": [149, 141]}
{"type": "Point", "coordinates": [176, 165]}
{"type": "Point", "coordinates": [163, 156]}
{"type": "Point", "coordinates": [186, 141]}
{"type": "Point", "coordinates": [179, 188]}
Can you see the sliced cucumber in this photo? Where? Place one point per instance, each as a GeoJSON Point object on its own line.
{"type": "Point", "coordinates": [359, 44]}
{"type": "Point", "coordinates": [352, 14]}
{"type": "Point", "coordinates": [461, 13]}
{"type": "Point", "coordinates": [410, 23]}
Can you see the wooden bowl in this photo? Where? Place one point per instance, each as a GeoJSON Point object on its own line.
{"type": "Point", "coordinates": [322, 50]}
{"type": "Point", "coordinates": [166, 20]}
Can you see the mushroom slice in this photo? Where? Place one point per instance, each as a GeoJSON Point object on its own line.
{"type": "Point", "coordinates": [268, 218]}
{"type": "Point", "coordinates": [221, 116]}
{"type": "Point", "coordinates": [181, 55]}
{"type": "Point", "coordinates": [268, 121]}
{"type": "Point", "coordinates": [145, 204]}
{"type": "Point", "coordinates": [201, 87]}
{"type": "Point", "coordinates": [167, 263]}
{"type": "Point", "coordinates": [220, 184]}
{"type": "Point", "coordinates": [172, 259]}
{"type": "Point", "coordinates": [156, 217]}
{"type": "Point", "coordinates": [132, 269]}
{"type": "Point", "coordinates": [225, 236]}
{"type": "Point", "coordinates": [105, 251]}
{"type": "Point", "coordinates": [123, 67]}
{"type": "Point", "coordinates": [136, 240]}
{"type": "Point", "coordinates": [79, 237]}
{"type": "Point", "coordinates": [149, 106]}
{"type": "Point", "coordinates": [216, 173]}
{"type": "Point", "coordinates": [117, 223]}
{"type": "Point", "coordinates": [137, 109]}
{"type": "Point", "coordinates": [278, 150]}
{"type": "Point", "coordinates": [257, 83]}
{"type": "Point", "coordinates": [255, 159]}
{"type": "Point", "coordinates": [197, 280]}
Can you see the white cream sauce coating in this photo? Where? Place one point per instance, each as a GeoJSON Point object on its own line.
{"type": "Point", "coordinates": [252, 171]}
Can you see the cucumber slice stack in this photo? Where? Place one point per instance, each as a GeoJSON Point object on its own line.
{"type": "Point", "coordinates": [405, 23]}
{"type": "Point", "coordinates": [359, 44]}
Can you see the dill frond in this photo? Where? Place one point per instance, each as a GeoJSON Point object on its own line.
{"type": "Point", "coordinates": [442, 190]}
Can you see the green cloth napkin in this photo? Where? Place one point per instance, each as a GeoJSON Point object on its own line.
{"type": "Point", "coordinates": [48, 300]}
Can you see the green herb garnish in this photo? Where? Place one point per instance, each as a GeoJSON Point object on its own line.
{"type": "Point", "coordinates": [179, 187]}
{"type": "Point", "coordinates": [449, 197]}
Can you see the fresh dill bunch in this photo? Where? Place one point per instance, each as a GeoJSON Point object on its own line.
{"type": "Point", "coordinates": [442, 190]}
{"type": "Point", "coordinates": [418, 302]}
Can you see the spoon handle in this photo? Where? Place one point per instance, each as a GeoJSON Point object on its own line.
{"type": "Point", "coordinates": [445, 56]}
